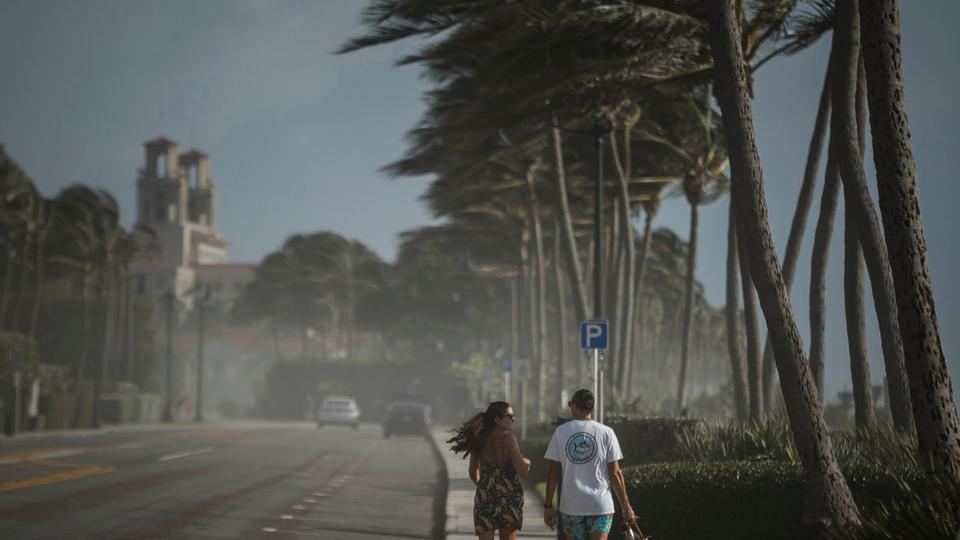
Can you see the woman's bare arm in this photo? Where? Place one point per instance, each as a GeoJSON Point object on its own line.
{"type": "Point", "coordinates": [520, 463]}
{"type": "Point", "coordinates": [474, 470]}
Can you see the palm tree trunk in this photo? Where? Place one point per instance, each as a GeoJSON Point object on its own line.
{"type": "Point", "coordinates": [629, 294]}
{"type": "Point", "coordinates": [651, 207]}
{"type": "Point", "coordinates": [751, 323]}
{"type": "Point", "coordinates": [275, 333]}
{"type": "Point", "coordinates": [827, 502]}
{"type": "Point", "coordinates": [7, 283]}
{"type": "Point", "coordinates": [818, 271]}
{"type": "Point", "coordinates": [561, 334]}
{"type": "Point", "coordinates": [856, 336]}
{"type": "Point", "coordinates": [37, 287]}
{"type": "Point", "coordinates": [934, 410]}
{"type": "Point", "coordinates": [350, 321]}
{"type": "Point", "coordinates": [84, 345]}
{"type": "Point", "coordinates": [515, 316]}
{"type": "Point", "coordinates": [581, 304]}
{"type": "Point", "coordinates": [688, 304]}
{"type": "Point", "coordinates": [799, 223]}
{"type": "Point", "coordinates": [615, 294]}
{"type": "Point", "coordinates": [539, 299]}
{"type": "Point", "coordinates": [737, 377]}
{"type": "Point", "coordinates": [119, 332]}
{"type": "Point", "coordinates": [17, 322]}
{"type": "Point", "coordinates": [845, 61]}
{"type": "Point", "coordinates": [106, 302]}
{"type": "Point", "coordinates": [128, 328]}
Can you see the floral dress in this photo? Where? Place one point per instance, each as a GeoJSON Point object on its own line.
{"type": "Point", "coordinates": [498, 503]}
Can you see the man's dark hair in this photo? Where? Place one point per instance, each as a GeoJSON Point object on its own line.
{"type": "Point", "coordinates": [583, 399]}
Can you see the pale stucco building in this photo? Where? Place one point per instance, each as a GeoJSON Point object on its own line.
{"type": "Point", "coordinates": [181, 250]}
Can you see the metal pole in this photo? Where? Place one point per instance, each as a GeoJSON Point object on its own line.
{"type": "Point", "coordinates": [506, 386]}
{"type": "Point", "coordinates": [595, 377]}
{"type": "Point", "coordinates": [598, 226]}
{"type": "Point", "coordinates": [598, 289]}
{"type": "Point", "coordinates": [201, 309]}
{"type": "Point", "coordinates": [168, 406]}
{"type": "Point", "coordinates": [600, 397]}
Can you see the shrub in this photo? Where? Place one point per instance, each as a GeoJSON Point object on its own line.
{"type": "Point", "coordinates": [769, 438]}
{"type": "Point", "coordinates": [651, 440]}
{"type": "Point", "coordinates": [741, 499]}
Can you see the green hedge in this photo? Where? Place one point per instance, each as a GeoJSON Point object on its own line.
{"type": "Point", "coordinates": [651, 440]}
{"type": "Point", "coordinates": [739, 499]}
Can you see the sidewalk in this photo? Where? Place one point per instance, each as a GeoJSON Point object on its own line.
{"type": "Point", "coordinates": [460, 499]}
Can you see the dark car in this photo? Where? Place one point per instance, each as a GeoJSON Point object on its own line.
{"type": "Point", "coordinates": [407, 418]}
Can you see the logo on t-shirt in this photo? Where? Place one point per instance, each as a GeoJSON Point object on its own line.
{"type": "Point", "coordinates": [581, 448]}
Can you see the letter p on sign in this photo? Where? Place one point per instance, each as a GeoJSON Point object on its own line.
{"type": "Point", "coordinates": [593, 334]}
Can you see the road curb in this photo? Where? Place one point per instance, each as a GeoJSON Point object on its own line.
{"type": "Point", "coordinates": [441, 489]}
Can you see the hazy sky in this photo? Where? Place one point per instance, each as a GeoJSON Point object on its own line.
{"type": "Point", "coordinates": [296, 135]}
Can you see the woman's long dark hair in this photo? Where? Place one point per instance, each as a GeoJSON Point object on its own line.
{"type": "Point", "coordinates": [472, 435]}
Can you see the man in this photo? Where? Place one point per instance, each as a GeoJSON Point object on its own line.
{"type": "Point", "coordinates": [589, 455]}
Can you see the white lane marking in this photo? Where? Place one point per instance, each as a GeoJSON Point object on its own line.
{"type": "Point", "coordinates": [309, 500]}
{"type": "Point", "coordinates": [269, 529]}
{"type": "Point", "coordinates": [286, 516]}
{"type": "Point", "coordinates": [299, 507]}
{"type": "Point", "coordinates": [185, 453]}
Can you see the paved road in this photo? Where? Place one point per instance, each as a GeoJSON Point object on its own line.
{"type": "Point", "coordinates": [230, 480]}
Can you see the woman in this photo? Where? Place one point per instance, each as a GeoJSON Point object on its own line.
{"type": "Point", "coordinates": [496, 466]}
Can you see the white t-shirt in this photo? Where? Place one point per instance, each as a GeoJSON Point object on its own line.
{"type": "Point", "coordinates": [584, 449]}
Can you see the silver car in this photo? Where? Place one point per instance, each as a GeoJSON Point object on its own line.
{"type": "Point", "coordinates": [338, 410]}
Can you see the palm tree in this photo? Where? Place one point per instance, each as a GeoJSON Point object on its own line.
{"type": "Point", "coordinates": [828, 503]}
{"type": "Point", "coordinates": [737, 375]}
{"type": "Point", "coordinates": [751, 324]}
{"type": "Point", "coordinates": [694, 139]}
{"type": "Point", "coordinates": [45, 216]}
{"type": "Point", "coordinates": [799, 222]}
{"type": "Point", "coordinates": [845, 61]}
{"type": "Point", "coordinates": [16, 193]}
{"type": "Point", "coordinates": [934, 410]}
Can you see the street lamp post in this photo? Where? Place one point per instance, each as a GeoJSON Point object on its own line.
{"type": "Point", "coordinates": [599, 131]}
{"type": "Point", "coordinates": [168, 406]}
{"type": "Point", "coordinates": [201, 312]}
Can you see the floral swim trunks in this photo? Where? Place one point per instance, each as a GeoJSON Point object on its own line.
{"type": "Point", "coordinates": [579, 527]}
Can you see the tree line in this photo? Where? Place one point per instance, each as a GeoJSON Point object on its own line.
{"type": "Point", "coordinates": [65, 285]}
{"type": "Point", "coordinates": [533, 99]}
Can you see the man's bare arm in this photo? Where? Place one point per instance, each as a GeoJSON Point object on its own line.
{"type": "Point", "coordinates": [620, 490]}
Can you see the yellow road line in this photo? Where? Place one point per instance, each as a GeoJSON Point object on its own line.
{"type": "Point", "coordinates": [55, 477]}
{"type": "Point", "coordinates": [28, 455]}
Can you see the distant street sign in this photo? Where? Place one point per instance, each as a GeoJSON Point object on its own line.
{"type": "Point", "coordinates": [522, 369]}
{"type": "Point", "coordinates": [593, 334]}
{"type": "Point", "coordinates": [506, 366]}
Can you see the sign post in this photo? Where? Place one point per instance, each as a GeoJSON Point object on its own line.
{"type": "Point", "coordinates": [507, 367]}
{"type": "Point", "coordinates": [593, 337]}
{"type": "Point", "coordinates": [522, 366]}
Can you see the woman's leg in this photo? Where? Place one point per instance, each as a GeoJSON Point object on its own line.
{"type": "Point", "coordinates": [486, 535]}
{"type": "Point", "coordinates": [508, 534]}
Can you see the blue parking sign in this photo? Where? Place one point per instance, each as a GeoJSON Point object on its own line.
{"type": "Point", "coordinates": [593, 334]}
